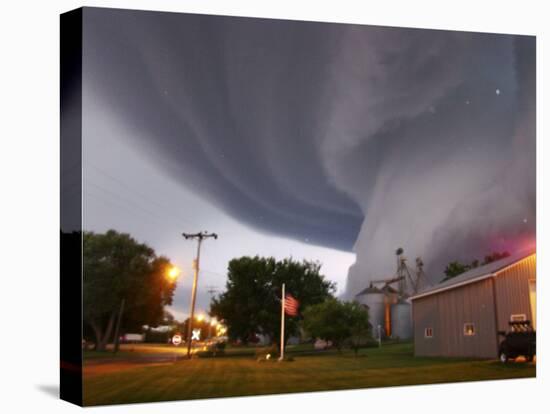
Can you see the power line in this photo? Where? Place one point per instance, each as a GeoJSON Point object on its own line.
{"type": "Point", "coordinates": [139, 193]}
{"type": "Point", "coordinates": [117, 203]}
{"type": "Point", "coordinates": [211, 290]}
{"type": "Point", "coordinates": [133, 203]}
{"type": "Point", "coordinates": [214, 273]}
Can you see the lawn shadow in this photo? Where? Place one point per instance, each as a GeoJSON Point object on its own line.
{"type": "Point", "coordinates": [49, 389]}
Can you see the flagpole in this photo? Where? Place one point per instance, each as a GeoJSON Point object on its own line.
{"type": "Point", "coordinates": [282, 324]}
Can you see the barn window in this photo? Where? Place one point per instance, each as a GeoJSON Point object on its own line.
{"type": "Point", "coordinates": [518, 317]}
{"type": "Point", "coordinates": [469, 329]}
{"type": "Point", "coordinates": [428, 333]}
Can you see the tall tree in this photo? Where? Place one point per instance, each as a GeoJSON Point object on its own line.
{"type": "Point", "coordinates": [339, 322]}
{"type": "Point", "coordinates": [456, 268]}
{"type": "Point", "coordinates": [117, 268]}
{"type": "Point", "coordinates": [251, 302]}
{"type": "Point", "coordinates": [358, 321]}
{"type": "Point", "coordinates": [493, 257]}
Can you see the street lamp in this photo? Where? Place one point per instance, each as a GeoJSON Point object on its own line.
{"type": "Point", "coordinates": [213, 324]}
{"type": "Point", "coordinates": [173, 273]}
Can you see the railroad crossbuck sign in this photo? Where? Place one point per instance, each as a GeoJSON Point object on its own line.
{"type": "Point", "coordinates": [176, 340]}
{"type": "Point", "coordinates": [196, 335]}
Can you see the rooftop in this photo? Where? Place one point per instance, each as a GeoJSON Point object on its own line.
{"type": "Point", "coordinates": [477, 273]}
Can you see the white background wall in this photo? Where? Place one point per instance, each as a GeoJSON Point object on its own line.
{"type": "Point", "coordinates": [29, 207]}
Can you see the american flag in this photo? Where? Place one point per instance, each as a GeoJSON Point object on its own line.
{"type": "Point", "coordinates": [291, 305]}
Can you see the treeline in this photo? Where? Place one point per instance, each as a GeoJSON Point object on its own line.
{"type": "Point", "coordinates": [125, 289]}
{"type": "Point", "coordinates": [456, 268]}
{"type": "Point", "coordinates": [251, 303]}
{"type": "Point", "coordinates": [124, 286]}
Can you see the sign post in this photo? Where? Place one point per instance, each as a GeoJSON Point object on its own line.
{"type": "Point", "coordinates": [176, 340]}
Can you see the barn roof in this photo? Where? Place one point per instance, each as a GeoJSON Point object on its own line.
{"type": "Point", "coordinates": [477, 274]}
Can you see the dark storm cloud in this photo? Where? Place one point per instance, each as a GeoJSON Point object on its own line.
{"type": "Point", "coordinates": [340, 134]}
{"type": "Point", "coordinates": [225, 107]}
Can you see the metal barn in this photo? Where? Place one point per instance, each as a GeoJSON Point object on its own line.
{"type": "Point", "coordinates": [462, 316]}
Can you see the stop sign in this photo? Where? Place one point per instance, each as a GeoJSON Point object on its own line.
{"type": "Point", "coordinates": [176, 340]}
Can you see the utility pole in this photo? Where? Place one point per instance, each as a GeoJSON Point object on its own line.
{"type": "Point", "coordinates": [200, 236]}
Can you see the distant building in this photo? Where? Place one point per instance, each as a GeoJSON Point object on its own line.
{"type": "Point", "coordinates": [462, 316]}
{"type": "Point", "coordinates": [132, 338]}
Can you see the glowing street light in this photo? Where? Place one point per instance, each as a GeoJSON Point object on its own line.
{"type": "Point", "coordinates": [213, 324]}
{"type": "Point", "coordinates": [200, 317]}
{"type": "Point", "coordinates": [173, 273]}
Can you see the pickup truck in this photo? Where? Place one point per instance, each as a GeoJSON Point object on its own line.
{"type": "Point", "coordinates": [520, 340]}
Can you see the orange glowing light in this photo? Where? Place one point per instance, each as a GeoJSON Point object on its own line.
{"type": "Point", "coordinates": [173, 273]}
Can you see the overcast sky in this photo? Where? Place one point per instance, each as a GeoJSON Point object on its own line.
{"type": "Point", "coordinates": [330, 142]}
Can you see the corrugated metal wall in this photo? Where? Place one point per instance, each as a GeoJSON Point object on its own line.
{"type": "Point", "coordinates": [512, 290]}
{"type": "Point", "coordinates": [447, 312]}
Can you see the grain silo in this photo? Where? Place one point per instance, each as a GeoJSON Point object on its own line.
{"type": "Point", "coordinates": [391, 308]}
{"type": "Point", "coordinates": [401, 319]}
{"type": "Point", "coordinates": [373, 298]}
{"type": "Point", "coordinates": [379, 302]}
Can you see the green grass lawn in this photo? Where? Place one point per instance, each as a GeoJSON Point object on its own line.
{"type": "Point", "coordinates": [124, 379]}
